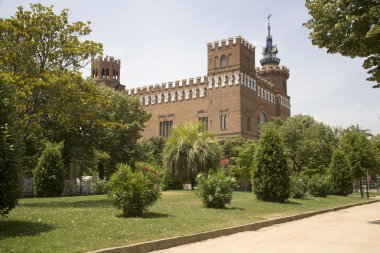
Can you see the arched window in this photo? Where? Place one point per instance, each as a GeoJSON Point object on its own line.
{"type": "Point", "coordinates": [223, 61]}
{"type": "Point", "coordinates": [103, 72]}
{"type": "Point", "coordinates": [113, 74]}
{"type": "Point", "coordinates": [96, 72]}
{"type": "Point", "coordinates": [93, 73]}
{"type": "Point", "coordinates": [262, 118]}
{"type": "Point", "coordinates": [107, 72]}
{"type": "Point", "coordinates": [117, 75]}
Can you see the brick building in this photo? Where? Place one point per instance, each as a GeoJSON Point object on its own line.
{"type": "Point", "coordinates": [231, 100]}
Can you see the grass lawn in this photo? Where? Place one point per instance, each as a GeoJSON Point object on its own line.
{"type": "Point", "coordinates": [79, 224]}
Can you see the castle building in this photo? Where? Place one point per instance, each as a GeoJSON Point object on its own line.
{"type": "Point", "coordinates": [231, 100]}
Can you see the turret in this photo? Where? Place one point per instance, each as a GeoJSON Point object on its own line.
{"type": "Point", "coordinates": [106, 72]}
{"type": "Point", "coordinates": [270, 65]}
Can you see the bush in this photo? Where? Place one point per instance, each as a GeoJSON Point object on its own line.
{"type": "Point", "coordinates": [49, 177]}
{"type": "Point", "coordinates": [168, 183]}
{"type": "Point", "coordinates": [134, 191]}
{"type": "Point", "coordinates": [215, 189]}
{"type": "Point", "coordinates": [318, 186]}
{"type": "Point", "coordinates": [98, 186]}
{"type": "Point", "coordinates": [339, 174]}
{"type": "Point", "coordinates": [298, 187]}
{"type": "Point", "coordinates": [271, 179]}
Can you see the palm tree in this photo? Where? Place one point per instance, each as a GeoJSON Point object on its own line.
{"type": "Point", "coordinates": [189, 151]}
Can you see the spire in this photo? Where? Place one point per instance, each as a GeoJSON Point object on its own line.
{"type": "Point", "coordinates": [270, 51]}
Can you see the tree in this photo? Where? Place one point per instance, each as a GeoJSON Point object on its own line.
{"type": "Point", "coordinates": [309, 144]}
{"type": "Point", "coordinates": [190, 150]}
{"type": "Point", "coordinates": [244, 163]}
{"type": "Point", "coordinates": [49, 175]}
{"type": "Point", "coordinates": [339, 174]}
{"type": "Point", "coordinates": [152, 149]}
{"type": "Point", "coordinates": [348, 27]}
{"type": "Point", "coordinates": [271, 176]}
{"type": "Point", "coordinates": [360, 154]}
{"type": "Point", "coordinates": [9, 167]}
{"type": "Point", "coordinates": [35, 41]}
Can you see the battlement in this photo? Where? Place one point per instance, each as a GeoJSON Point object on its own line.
{"type": "Point", "coordinates": [189, 82]}
{"type": "Point", "coordinates": [230, 42]}
{"type": "Point", "coordinates": [107, 59]}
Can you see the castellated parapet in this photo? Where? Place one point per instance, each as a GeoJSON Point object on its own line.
{"type": "Point", "coordinates": [230, 42]}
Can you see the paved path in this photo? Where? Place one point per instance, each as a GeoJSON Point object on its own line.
{"type": "Point", "coordinates": [353, 230]}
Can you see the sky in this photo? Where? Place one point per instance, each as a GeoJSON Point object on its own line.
{"type": "Point", "coordinates": [165, 40]}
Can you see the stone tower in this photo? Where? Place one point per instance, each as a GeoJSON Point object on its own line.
{"type": "Point", "coordinates": [278, 75]}
{"type": "Point", "coordinates": [106, 72]}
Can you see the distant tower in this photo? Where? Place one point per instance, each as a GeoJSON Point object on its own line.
{"type": "Point", "coordinates": [106, 72]}
{"type": "Point", "coordinates": [271, 70]}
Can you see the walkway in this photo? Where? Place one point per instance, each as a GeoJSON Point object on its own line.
{"type": "Point", "coordinates": [353, 230]}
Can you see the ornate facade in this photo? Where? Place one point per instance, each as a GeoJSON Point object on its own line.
{"type": "Point", "coordinates": [231, 100]}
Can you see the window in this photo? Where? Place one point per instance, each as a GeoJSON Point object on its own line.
{"type": "Point", "coordinates": [223, 121]}
{"type": "Point", "coordinates": [103, 72]}
{"type": "Point", "coordinates": [223, 61]}
{"type": "Point", "coordinates": [204, 121]}
{"type": "Point", "coordinates": [249, 127]}
{"type": "Point", "coordinates": [107, 72]}
{"type": "Point", "coordinates": [262, 118]}
{"type": "Point", "coordinates": [165, 127]}
{"type": "Point", "coordinates": [93, 73]}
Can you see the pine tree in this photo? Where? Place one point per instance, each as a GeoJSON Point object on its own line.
{"type": "Point", "coordinates": [340, 174]}
{"type": "Point", "coordinates": [271, 179]}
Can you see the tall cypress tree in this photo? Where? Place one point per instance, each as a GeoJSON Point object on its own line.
{"type": "Point", "coordinates": [340, 174]}
{"type": "Point", "coordinates": [271, 177]}
{"type": "Point", "coordinates": [9, 169]}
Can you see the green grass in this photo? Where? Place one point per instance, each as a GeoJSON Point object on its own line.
{"type": "Point", "coordinates": [79, 224]}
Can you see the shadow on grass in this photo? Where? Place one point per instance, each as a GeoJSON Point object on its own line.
{"type": "Point", "coordinates": [9, 228]}
{"type": "Point", "coordinates": [148, 215]}
{"type": "Point", "coordinates": [290, 202]}
{"type": "Point", "coordinates": [233, 208]}
{"type": "Point", "coordinates": [376, 222]}
{"type": "Point", "coordinates": [78, 204]}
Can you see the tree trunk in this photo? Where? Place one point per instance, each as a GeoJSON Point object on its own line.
{"type": "Point", "coordinates": [361, 187]}
{"type": "Point", "coordinates": [367, 186]}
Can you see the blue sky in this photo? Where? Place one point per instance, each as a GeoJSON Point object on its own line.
{"type": "Point", "coordinates": [165, 40]}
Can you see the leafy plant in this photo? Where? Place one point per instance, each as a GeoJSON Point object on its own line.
{"type": "Point", "coordinates": [298, 187]}
{"type": "Point", "coordinates": [98, 186]}
{"type": "Point", "coordinates": [49, 177]}
{"type": "Point", "coordinates": [189, 151]}
{"type": "Point", "coordinates": [215, 189]}
{"type": "Point", "coordinates": [318, 186]}
{"type": "Point", "coordinates": [134, 191]}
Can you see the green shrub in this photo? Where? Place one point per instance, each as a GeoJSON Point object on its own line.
{"type": "Point", "coordinates": [318, 186]}
{"type": "Point", "coordinates": [298, 187]}
{"type": "Point", "coordinates": [271, 179]}
{"type": "Point", "coordinates": [134, 191]}
{"type": "Point", "coordinates": [340, 174]}
{"type": "Point", "coordinates": [215, 189]}
{"type": "Point", "coordinates": [169, 183]}
{"type": "Point", "coordinates": [49, 177]}
{"type": "Point", "coordinates": [98, 186]}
